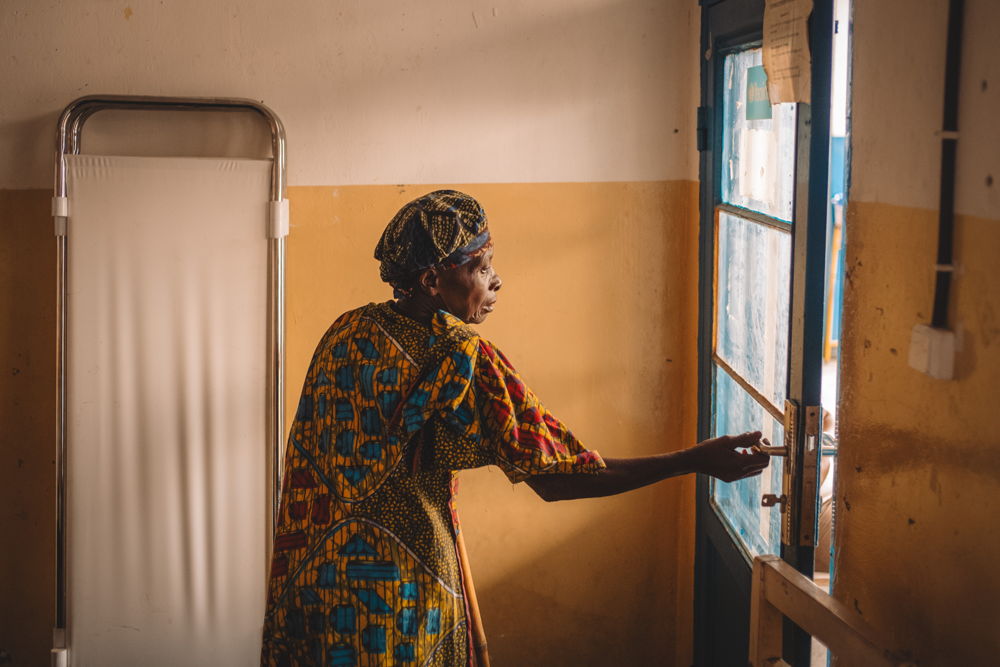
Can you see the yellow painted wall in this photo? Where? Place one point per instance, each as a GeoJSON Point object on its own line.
{"type": "Point", "coordinates": [27, 426]}
{"type": "Point", "coordinates": [919, 477]}
{"type": "Point", "coordinates": [598, 313]}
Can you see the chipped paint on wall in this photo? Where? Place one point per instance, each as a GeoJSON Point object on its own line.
{"type": "Point", "coordinates": [919, 485]}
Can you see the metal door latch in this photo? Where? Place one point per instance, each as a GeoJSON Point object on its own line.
{"type": "Point", "coordinates": [770, 500]}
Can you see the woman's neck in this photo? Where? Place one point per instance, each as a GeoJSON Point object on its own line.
{"type": "Point", "coordinates": [418, 307]}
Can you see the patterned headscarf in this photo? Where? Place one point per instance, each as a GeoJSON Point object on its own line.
{"type": "Point", "coordinates": [444, 228]}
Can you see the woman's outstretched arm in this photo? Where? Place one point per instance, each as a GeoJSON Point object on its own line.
{"type": "Point", "coordinates": [721, 457]}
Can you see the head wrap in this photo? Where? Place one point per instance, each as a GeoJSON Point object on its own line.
{"type": "Point", "coordinates": [444, 228]}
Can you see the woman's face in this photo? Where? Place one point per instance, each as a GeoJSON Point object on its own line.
{"type": "Point", "coordinates": [469, 291]}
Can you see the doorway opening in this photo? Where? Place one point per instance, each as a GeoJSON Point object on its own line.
{"type": "Point", "coordinates": [834, 292]}
{"type": "Point", "coordinates": [824, 571]}
{"type": "Point", "coordinates": [773, 202]}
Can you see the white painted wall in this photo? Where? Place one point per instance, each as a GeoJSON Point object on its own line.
{"type": "Point", "coordinates": [408, 91]}
{"type": "Point", "coordinates": [898, 98]}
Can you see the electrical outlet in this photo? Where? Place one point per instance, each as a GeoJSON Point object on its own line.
{"type": "Point", "coordinates": [932, 351]}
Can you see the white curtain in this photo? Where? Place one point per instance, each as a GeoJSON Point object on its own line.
{"type": "Point", "coordinates": [166, 371]}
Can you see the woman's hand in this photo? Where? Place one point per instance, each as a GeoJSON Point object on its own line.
{"type": "Point", "coordinates": [727, 458]}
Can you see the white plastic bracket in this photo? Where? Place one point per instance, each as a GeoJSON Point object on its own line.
{"type": "Point", "coordinates": [60, 213]}
{"type": "Point", "coordinates": [60, 657]}
{"type": "Point", "coordinates": [277, 220]}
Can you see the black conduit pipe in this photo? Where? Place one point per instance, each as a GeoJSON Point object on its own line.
{"type": "Point", "coordinates": [949, 150]}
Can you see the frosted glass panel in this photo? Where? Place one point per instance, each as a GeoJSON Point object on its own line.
{"type": "Point", "coordinates": [735, 411]}
{"type": "Point", "coordinates": [753, 303]}
{"type": "Point", "coordinates": [758, 156]}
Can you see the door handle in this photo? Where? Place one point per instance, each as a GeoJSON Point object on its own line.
{"type": "Point", "coordinates": [771, 450]}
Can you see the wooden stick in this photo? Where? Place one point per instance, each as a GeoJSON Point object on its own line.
{"type": "Point", "coordinates": [478, 632]}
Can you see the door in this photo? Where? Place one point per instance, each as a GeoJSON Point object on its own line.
{"type": "Point", "coordinates": [763, 264]}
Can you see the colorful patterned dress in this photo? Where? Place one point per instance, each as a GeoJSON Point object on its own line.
{"type": "Point", "coordinates": [365, 570]}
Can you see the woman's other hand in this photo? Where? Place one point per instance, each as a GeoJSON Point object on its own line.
{"type": "Point", "coordinates": [728, 457]}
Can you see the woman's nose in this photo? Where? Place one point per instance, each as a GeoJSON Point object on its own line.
{"type": "Point", "coordinates": [496, 283]}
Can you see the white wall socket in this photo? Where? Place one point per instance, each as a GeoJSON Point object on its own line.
{"type": "Point", "coordinates": [932, 351]}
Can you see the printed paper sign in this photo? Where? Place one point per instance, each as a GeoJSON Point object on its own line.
{"type": "Point", "coordinates": [787, 60]}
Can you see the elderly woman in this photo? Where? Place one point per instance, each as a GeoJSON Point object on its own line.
{"type": "Point", "coordinates": [398, 397]}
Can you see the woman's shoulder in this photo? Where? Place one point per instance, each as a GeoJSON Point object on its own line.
{"type": "Point", "coordinates": [345, 325]}
{"type": "Point", "coordinates": [347, 320]}
{"type": "Point", "coordinates": [443, 336]}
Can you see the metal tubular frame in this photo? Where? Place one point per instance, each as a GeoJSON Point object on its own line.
{"type": "Point", "coordinates": [68, 139]}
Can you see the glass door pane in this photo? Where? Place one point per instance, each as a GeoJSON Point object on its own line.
{"type": "Point", "coordinates": [753, 271]}
{"type": "Point", "coordinates": [758, 154]}
{"type": "Point", "coordinates": [758, 528]}
{"type": "Point", "coordinates": [754, 276]}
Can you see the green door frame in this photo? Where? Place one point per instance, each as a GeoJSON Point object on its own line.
{"type": "Point", "coordinates": [722, 571]}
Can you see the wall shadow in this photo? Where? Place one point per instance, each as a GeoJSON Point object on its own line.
{"type": "Point", "coordinates": [27, 438]}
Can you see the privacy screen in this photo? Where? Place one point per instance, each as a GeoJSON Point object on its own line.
{"type": "Point", "coordinates": [167, 472]}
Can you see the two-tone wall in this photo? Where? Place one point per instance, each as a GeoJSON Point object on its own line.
{"type": "Point", "coordinates": [919, 486]}
{"type": "Point", "coordinates": [572, 121]}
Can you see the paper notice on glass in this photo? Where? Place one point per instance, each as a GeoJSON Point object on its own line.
{"type": "Point", "coordinates": [786, 50]}
{"type": "Point", "coordinates": [758, 103]}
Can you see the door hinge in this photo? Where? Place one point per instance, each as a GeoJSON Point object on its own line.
{"type": "Point", "coordinates": [702, 129]}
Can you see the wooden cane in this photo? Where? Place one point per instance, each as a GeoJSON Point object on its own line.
{"type": "Point", "coordinates": [478, 632]}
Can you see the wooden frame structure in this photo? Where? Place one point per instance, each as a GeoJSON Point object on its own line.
{"type": "Point", "coordinates": [780, 591]}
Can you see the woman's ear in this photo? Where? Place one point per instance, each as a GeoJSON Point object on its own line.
{"type": "Point", "coordinates": [428, 281]}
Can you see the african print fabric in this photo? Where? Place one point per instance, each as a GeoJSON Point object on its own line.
{"type": "Point", "coordinates": [364, 569]}
{"type": "Point", "coordinates": [442, 228]}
